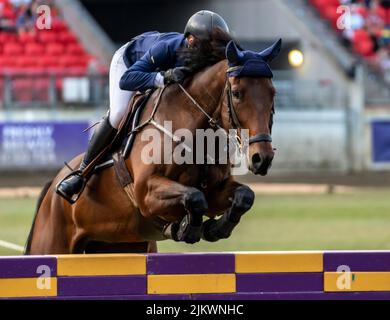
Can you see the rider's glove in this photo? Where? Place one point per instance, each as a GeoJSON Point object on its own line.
{"type": "Point", "coordinates": [175, 75]}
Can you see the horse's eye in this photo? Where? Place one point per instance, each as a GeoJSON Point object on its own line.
{"type": "Point", "coordinates": [236, 94]}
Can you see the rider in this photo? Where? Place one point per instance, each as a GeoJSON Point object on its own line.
{"type": "Point", "coordinates": [149, 60]}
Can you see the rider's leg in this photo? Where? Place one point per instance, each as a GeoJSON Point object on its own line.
{"type": "Point", "coordinates": [101, 138]}
{"type": "Point", "coordinates": [119, 99]}
{"type": "Point", "coordinates": [107, 129]}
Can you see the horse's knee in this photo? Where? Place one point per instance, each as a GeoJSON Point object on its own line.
{"type": "Point", "coordinates": [195, 202]}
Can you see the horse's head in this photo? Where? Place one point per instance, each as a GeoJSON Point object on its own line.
{"type": "Point", "coordinates": [251, 100]}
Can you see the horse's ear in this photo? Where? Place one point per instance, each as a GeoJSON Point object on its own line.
{"type": "Point", "coordinates": [271, 52]}
{"type": "Point", "coordinates": [233, 54]}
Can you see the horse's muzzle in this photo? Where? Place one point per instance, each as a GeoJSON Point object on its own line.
{"type": "Point", "coordinates": [260, 164]}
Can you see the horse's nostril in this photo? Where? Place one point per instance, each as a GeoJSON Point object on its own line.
{"type": "Point", "coordinates": [256, 159]}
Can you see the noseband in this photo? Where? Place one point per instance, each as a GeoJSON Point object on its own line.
{"type": "Point", "coordinates": [260, 137]}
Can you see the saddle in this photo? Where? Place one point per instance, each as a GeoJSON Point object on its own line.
{"type": "Point", "coordinates": [124, 140]}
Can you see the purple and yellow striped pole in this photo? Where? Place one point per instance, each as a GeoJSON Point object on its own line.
{"type": "Point", "coordinates": [228, 276]}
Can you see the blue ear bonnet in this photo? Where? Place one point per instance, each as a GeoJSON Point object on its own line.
{"type": "Point", "coordinates": [250, 63]}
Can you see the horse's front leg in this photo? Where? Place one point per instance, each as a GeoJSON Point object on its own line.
{"type": "Point", "coordinates": [240, 198]}
{"type": "Point", "coordinates": [165, 198]}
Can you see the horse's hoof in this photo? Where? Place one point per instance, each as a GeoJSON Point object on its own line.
{"type": "Point", "coordinates": [209, 234]}
{"type": "Point", "coordinates": [188, 232]}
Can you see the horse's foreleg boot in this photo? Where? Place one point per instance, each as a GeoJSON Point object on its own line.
{"type": "Point", "coordinates": [190, 228]}
{"type": "Point", "coordinates": [170, 231]}
{"type": "Point", "coordinates": [214, 230]}
{"type": "Point", "coordinates": [188, 232]}
{"type": "Point", "coordinates": [195, 204]}
{"type": "Point", "coordinates": [242, 202]}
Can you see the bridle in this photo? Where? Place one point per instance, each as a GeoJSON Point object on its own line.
{"type": "Point", "coordinates": [260, 137]}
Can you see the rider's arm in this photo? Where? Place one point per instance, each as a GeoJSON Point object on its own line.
{"type": "Point", "coordinates": [143, 74]}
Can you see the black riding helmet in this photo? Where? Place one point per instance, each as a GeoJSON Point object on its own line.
{"type": "Point", "coordinates": [203, 22]}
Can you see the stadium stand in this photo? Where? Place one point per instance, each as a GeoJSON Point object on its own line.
{"type": "Point", "coordinates": [367, 30]}
{"type": "Point", "coordinates": [32, 56]}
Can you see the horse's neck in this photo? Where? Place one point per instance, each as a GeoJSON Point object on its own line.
{"type": "Point", "coordinates": [207, 87]}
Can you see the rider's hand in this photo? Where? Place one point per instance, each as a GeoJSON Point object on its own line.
{"type": "Point", "coordinates": [175, 75]}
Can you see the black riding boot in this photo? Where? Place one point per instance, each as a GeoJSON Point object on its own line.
{"type": "Point", "coordinates": [101, 138]}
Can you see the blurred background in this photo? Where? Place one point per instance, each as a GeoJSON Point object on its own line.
{"type": "Point", "coordinates": [330, 182]}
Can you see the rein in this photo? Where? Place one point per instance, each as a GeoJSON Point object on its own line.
{"type": "Point", "coordinates": [261, 137]}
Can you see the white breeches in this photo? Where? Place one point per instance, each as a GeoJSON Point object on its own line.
{"type": "Point", "coordinates": [119, 99]}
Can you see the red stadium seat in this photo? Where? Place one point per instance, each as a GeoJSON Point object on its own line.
{"type": "Point", "coordinates": [330, 14]}
{"type": "Point", "coordinates": [6, 37]}
{"type": "Point", "coordinates": [9, 13]}
{"type": "Point", "coordinates": [326, 10]}
{"type": "Point", "coordinates": [385, 14]}
{"type": "Point", "coordinates": [7, 61]}
{"type": "Point", "coordinates": [360, 35]}
{"type": "Point", "coordinates": [59, 25]}
{"type": "Point", "coordinates": [73, 61]}
{"type": "Point", "coordinates": [362, 11]}
{"type": "Point", "coordinates": [12, 49]}
{"type": "Point", "coordinates": [55, 49]}
{"type": "Point", "coordinates": [67, 37]}
{"type": "Point", "coordinates": [316, 3]}
{"type": "Point", "coordinates": [323, 4]}
{"type": "Point", "coordinates": [27, 38]}
{"type": "Point", "coordinates": [34, 49]}
{"type": "Point", "coordinates": [47, 36]}
{"type": "Point", "coordinates": [27, 62]}
{"type": "Point", "coordinates": [75, 48]}
{"type": "Point", "coordinates": [365, 47]}
{"type": "Point", "coordinates": [65, 61]}
{"type": "Point", "coordinates": [48, 62]}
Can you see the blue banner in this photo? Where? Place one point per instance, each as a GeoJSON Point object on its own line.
{"type": "Point", "coordinates": [41, 145]}
{"type": "Point", "coordinates": [380, 141]}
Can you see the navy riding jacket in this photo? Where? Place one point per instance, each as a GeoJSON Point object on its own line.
{"type": "Point", "coordinates": [146, 55]}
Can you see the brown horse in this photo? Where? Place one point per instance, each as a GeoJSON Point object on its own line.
{"type": "Point", "coordinates": [170, 200]}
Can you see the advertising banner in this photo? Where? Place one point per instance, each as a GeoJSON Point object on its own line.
{"type": "Point", "coordinates": [381, 141]}
{"type": "Point", "coordinates": [41, 145]}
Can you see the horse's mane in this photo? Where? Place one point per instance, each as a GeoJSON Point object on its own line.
{"type": "Point", "coordinates": [205, 52]}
